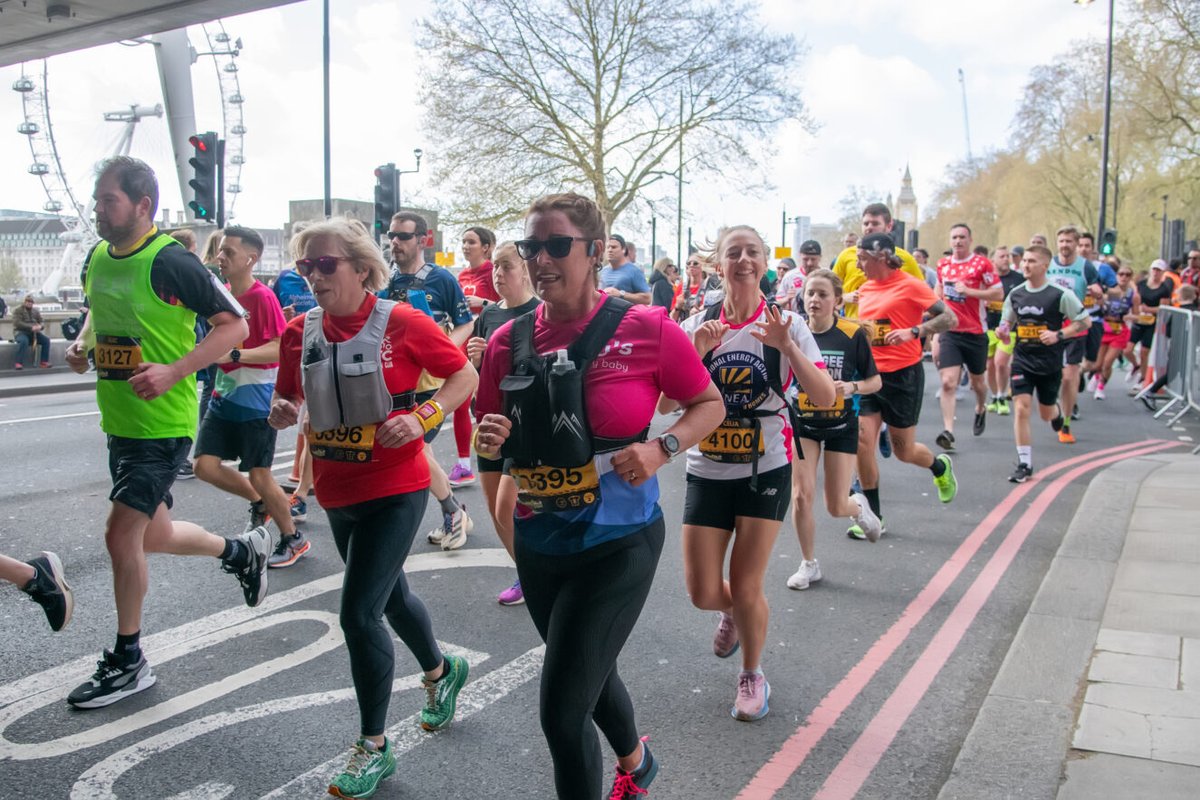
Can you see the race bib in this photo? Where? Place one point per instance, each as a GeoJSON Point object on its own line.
{"type": "Point", "coordinates": [117, 357]}
{"type": "Point", "coordinates": [995, 306]}
{"type": "Point", "coordinates": [1145, 319]}
{"type": "Point", "coordinates": [557, 488]}
{"type": "Point", "coordinates": [352, 445]}
{"type": "Point", "coordinates": [1089, 301]}
{"type": "Point", "coordinates": [732, 443]}
{"type": "Point", "coordinates": [882, 328]}
{"type": "Point", "coordinates": [952, 294]}
{"type": "Point", "coordinates": [809, 410]}
{"type": "Point", "coordinates": [1115, 325]}
{"type": "Point", "coordinates": [1030, 333]}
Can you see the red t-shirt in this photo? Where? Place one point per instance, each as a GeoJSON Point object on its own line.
{"type": "Point", "coordinates": [976, 272]}
{"type": "Point", "coordinates": [413, 342]}
{"type": "Point", "coordinates": [478, 281]}
{"type": "Point", "coordinates": [896, 303]}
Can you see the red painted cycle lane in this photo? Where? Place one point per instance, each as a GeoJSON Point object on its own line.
{"type": "Point", "coordinates": [795, 750]}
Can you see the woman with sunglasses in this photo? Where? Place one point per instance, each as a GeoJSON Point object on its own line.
{"type": "Point", "coordinates": [739, 479]}
{"type": "Point", "coordinates": [662, 283]}
{"type": "Point", "coordinates": [511, 279]}
{"type": "Point", "coordinates": [1120, 307]}
{"type": "Point", "coordinates": [696, 284]}
{"type": "Point", "coordinates": [587, 538]}
{"type": "Point", "coordinates": [355, 360]}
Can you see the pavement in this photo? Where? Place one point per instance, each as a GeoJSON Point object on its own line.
{"type": "Point", "coordinates": [1099, 695]}
{"type": "Point", "coordinates": [52, 380]}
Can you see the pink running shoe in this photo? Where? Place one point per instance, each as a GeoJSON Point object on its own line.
{"type": "Point", "coordinates": [725, 640]}
{"type": "Point", "coordinates": [512, 596]}
{"type": "Point", "coordinates": [460, 476]}
{"type": "Point", "coordinates": [752, 695]}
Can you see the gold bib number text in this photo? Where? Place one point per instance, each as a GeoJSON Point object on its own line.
{"type": "Point", "coordinates": [1030, 332]}
{"type": "Point", "coordinates": [117, 357]}
{"type": "Point", "coordinates": [732, 443]}
{"type": "Point", "coordinates": [557, 488]}
{"type": "Point", "coordinates": [352, 445]}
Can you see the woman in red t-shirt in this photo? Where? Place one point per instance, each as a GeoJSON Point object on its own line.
{"type": "Point", "coordinates": [371, 476]}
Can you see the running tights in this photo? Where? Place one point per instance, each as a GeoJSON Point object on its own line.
{"type": "Point", "coordinates": [585, 606]}
{"type": "Point", "coordinates": [373, 539]}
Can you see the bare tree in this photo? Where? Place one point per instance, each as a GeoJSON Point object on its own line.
{"type": "Point", "coordinates": [528, 97]}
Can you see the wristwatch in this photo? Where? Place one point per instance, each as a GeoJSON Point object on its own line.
{"type": "Point", "coordinates": [235, 355]}
{"type": "Point", "coordinates": [1060, 335]}
{"type": "Point", "coordinates": [622, 291]}
{"type": "Point", "coordinates": [916, 331]}
{"type": "Point", "coordinates": [670, 445]}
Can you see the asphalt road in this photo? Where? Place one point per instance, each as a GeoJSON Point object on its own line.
{"type": "Point", "coordinates": [876, 672]}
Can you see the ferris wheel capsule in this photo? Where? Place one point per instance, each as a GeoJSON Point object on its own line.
{"type": "Point", "coordinates": [22, 84]}
{"type": "Point", "coordinates": [38, 168]}
{"type": "Point", "coordinates": [28, 128]}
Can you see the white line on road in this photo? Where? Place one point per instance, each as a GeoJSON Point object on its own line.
{"type": "Point", "coordinates": [44, 419]}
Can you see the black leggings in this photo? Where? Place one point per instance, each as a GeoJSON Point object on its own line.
{"type": "Point", "coordinates": [373, 539]}
{"type": "Point", "coordinates": [585, 606]}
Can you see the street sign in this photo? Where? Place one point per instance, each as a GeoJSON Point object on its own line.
{"type": "Point", "coordinates": [783, 252]}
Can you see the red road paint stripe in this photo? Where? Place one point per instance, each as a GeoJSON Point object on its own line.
{"type": "Point", "coordinates": [858, 763]}
{"type": "Point", "coordinates": [772, 776]}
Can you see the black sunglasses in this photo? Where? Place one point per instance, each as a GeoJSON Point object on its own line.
{"type": "Point", "coordinates": [403, 236]}
{"type": "Point", "coordinates": [555, 246]}
{"type": "Point", "coordinates": [326, 264]}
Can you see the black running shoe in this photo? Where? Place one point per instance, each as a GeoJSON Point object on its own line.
{"type": "Point", "coordinates": [1022, 473]}
{"type": "Point", "coordinates": [50, 590]}
{"type": "Point", "coordinates": [258, 516]}
{"type": "Point", "coordinates": [630, 785]}
{"type": "Point", "coordinates": [980, 423]}
{"type": "Point", "coordinates": [253, 575]}
{"type": "Point", "coordinates": [945, 440]}
{"type": "Point", "coordinates": [113, 680]}
{"type": "Point", "coordinates": [185, 472]}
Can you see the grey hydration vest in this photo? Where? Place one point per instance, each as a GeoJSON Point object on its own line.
{"type": "Point", "coordinates": [343, 381]}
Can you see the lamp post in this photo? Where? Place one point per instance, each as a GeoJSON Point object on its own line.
{"type": "Point", "coordinates": [417, 153]}
{"type": "Point", "coordinates": [1107, 118]}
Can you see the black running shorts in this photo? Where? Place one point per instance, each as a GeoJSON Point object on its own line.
{"type": "Point", "coordinates": [714, 503]}
{"type": "Point", "coordinates": [1095, 336]}
{"type": "Point", "coordinates": [1074, 350]}
{"type": "Point", "coordinates": [1143, 335]}
{"type": "Point", "coordinates": [842, 439]}
{"type": "Point", "coordinates": [251, 442]}
{"type": "Point", "coordinates": [1045, 386]}
{"type": "Point", "coordinates": [143, 470]}
{"type": "Point", "coordinates": [899, 401]}
{"type": "Point", "coordinates": [963, 349]}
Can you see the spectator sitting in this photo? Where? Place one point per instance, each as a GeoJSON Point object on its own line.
{"type": "Point", "coordinates": [27, 322]}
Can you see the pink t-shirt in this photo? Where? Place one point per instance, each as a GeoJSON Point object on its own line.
{"type": "Point", "coordinates": [647, 355]}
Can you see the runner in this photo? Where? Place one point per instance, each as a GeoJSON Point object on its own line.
{"type": "Point", "coordinates": [1107, 276]}
{"type": "Point", "coordinates": [145, 291]}
{"type": "Point", "coordinates": [235, 426]}
{"type": "Point", "coordinates": [296, 298]}
{"type": "Point", "coordinates": [511, 279]}
{"type": "Point", "coordinates": [738, 477]}
{"type": "Point", "coordinates": [1044, 317]}
{"type": "Point", "coordinates": [586, 559]}
{"type": "Point", "coordinates": [1152, 293]}
{"type": "Point", "coordinates": [1000, 354]}
{"type": "Point", "coordinates": [894, 304]}
{"type": "Point", "coordinates": [697, 286]}
{"type": "Point", "coordinates": [42, 579]}
{"type": "Point", "coordinates": [1120, 307]}
{"type": "Point", "coordinates": [846, 350]}
{"type": "Point", "coordinates": [966, 280]}
{"type": "Point", "coordinates": [434, 290]}
{"type": "Point", "coordinates": [366, 437]}
{"type": "Point", "coordinates": [876, 218]}
{"type": "Point", "coordinates": [476, 282]}
{"type": "Point", "coordinates": [1076, 274]}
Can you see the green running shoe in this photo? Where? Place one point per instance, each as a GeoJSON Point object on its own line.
{"type": "Point", "coordinates": [442, 694]}
{"type": "Point", "coordinates": [367, 767]}
{"type": "Point", "coordinates": [1002, 407]}
{"type": "Point", "coordinates": [855, 531]}
{"type": "Point", "coordinates": [993, 406]}
{"type": "Point", "coordinates": [947, 484]}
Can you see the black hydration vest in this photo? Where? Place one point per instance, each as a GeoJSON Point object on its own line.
{"type": "Point", "coordinates": [546, 405]}
{"type": "Point", "coordinates": [772, 358]}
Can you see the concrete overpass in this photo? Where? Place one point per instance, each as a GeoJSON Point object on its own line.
{"type": "Point", "coordinates": [31, 29]}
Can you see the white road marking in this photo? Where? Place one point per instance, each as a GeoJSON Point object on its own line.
{"type": "Point", "coordinates": [206, 791]}
{"type": "Point", "coordinates": [44, 419]}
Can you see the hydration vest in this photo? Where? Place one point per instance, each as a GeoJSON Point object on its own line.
{"type": "Point", "coordinates": [343, 381]}
{"type": "Point", "coordinates": [546, 406]}
{"type": "Point", "coordinates": [414, 292]}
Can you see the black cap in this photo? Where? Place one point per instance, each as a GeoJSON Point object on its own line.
{"type": "Point", "coordinates": [810, 248]}
{"type": "Point", "coordinates": [1017, 250]}
{"type": "Point", "coordinates": [620, 239]}
{"type": "Point", "coordinates": [878, 243]}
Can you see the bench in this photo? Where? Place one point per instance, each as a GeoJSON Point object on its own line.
{"type": "Point", "coordinates": [8, 355]}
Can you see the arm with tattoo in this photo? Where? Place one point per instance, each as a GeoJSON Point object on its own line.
{"type": "Point", "coordinates": [941, 319]}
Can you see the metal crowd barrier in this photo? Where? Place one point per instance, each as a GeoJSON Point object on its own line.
{"type": "Point", "coordinates": [1175, 354]}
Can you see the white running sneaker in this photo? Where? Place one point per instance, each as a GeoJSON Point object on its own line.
{"type": "Point", "coordinates": [866, 519]}
{"type": "Point", "coordinates": [1092, 383]}
{"type": "Point", "coordinates": [809, 573]}
{"type": "Point", "coordinates": [1099, 393]}
{"type": "Point", "coordinates": [455, 528]}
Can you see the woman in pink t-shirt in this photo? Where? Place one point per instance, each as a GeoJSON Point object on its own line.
{"type": "Point", "coordinates": [588, 538]}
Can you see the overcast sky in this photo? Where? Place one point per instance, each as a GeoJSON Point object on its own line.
{"type": "Point", "coordinates": [880, 80]}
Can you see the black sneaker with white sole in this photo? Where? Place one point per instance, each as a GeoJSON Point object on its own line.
{"type": "Point", "coordinates": [50, 590]}
{"type": "Point", "coordinates": [945, 440]}
{"type": "Point", "coordinates": [113, 680]}
{"type": "Point", "coordinates": [253, 574]}
{"type": "Point", "coordinates": [980, 423]}
{"type": "Point", "coordinates": [1022, 473]}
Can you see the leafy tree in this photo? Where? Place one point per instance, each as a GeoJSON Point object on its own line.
{"type": "Point", "coordinates": [535, 96]}
{"type": "Point", "coordinates": [10, 274]}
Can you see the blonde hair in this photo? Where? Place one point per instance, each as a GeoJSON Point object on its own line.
{"type": "Point", "coordinates": [213, 246]}
{"type": "Point", "coordinates": [354, 237]}
{"type": "Point", "coordinates": [836, 283]}
{"type": "Point", "coordinates": [504, 247]}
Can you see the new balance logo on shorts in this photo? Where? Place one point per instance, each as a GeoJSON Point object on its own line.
{"type": "Point", "coordinates": [770, 491]}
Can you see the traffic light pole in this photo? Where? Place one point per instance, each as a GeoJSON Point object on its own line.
{"type": "Point", "coordinates": [220, 183]}
{"type": "Point", "coordinates": [1107, 117]}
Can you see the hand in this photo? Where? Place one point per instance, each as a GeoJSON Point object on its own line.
{"type": "Point", "coordinates": [153, 380]}
{"type": "Point", "coordinates": [612, 291]}
{"type": "Point", "coordinates": [1049, 337]}
{"type": "Point", "coordinates": [492, 434]}
{"type": "Point", "coordinates": [709, 335]}
{"type": "Point", "coordinates": [399, 430]}
{"type": "Point", "coordinates": [475, 347]}
{"type": "Point", "coordinates": [774, 330]}
{"type": "Point", "coordinates": [37, 328]}
{"type": "Point", "coordinates": [844, 388]}
{"type": "Point", "coordinates": [638, 462]}
{"type": "Point", "coordinates": [898, 336]}
{"type": "Point", "coordinates": [1002, 333]}
{"type": "Point", "coordinates": [850, 297]}
{"type": "Point", "coordinates": [284, 414]}
{"type": "Point", "coordinates": [961, 288]}
{"type": "Point", "coordinates": [77, 358]}
{"type": "Point", "coordinates": [289, 312]}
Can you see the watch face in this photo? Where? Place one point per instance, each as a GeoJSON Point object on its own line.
{"type": "Point", "coordinates": [670, 443]}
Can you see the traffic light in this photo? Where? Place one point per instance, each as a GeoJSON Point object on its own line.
{"type": "Point", "coordinates": [204, 180]}
{"type": "Point", "coordinates": [386, 186]}
{"type": "Point", "coordinates": [1108, 242]}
